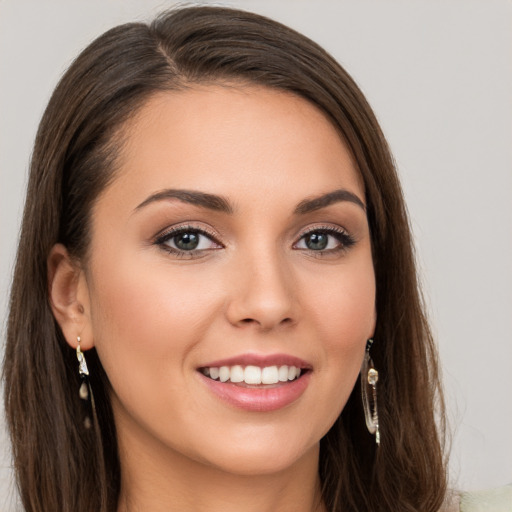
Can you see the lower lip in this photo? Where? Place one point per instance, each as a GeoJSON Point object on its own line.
{"type": "Point", "coordinates": [259, 399]}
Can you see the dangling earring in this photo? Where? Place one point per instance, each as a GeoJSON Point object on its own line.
{"type": "Point", "coordinates": [84, 392]}
{"type": "Point", "coordinates": [369, 378]}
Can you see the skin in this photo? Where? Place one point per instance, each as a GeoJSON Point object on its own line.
{"type": "Point", "coordinates": [155, 317]}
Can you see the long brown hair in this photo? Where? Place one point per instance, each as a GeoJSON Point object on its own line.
{"type": "Point", "coordinates": [63, 467]}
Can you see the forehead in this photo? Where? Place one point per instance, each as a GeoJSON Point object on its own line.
{"type": "Point", "coordinates": [227, 139]}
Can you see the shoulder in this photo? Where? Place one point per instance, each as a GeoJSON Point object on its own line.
{"type": "Point", "coordinates": [494, 500]}
{"type": "Point", "coordinates": [491, 500]}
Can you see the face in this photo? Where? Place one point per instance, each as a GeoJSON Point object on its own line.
{"type": "Point", "coordinates": [230, 254]}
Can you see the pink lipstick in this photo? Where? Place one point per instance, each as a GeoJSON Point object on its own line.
{"type": "Point", "coordinates": [258, 383]}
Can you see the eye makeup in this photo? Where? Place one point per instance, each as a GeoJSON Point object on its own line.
{"type": "Point", "coordinates": [187, 241]}
{"type": "Point", "coordinates": [193, 241]}
{"type": "Point", "coordinates": [325, 240]}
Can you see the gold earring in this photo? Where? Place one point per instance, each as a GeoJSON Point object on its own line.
{"type": "Point", "coordinates": [84, 392]}
{"type": "Point", "coordinates": [369, 379]}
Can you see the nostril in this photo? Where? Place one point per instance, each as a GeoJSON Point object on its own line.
{"type": "Point", "coordinates": [286, 320]}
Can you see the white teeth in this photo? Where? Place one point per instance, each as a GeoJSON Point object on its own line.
{"type": "Point", "coordinates": [224, 373]}
{"type": "Point", "coordinates": [283, 373]}
{"type": "Point", "coordinates": [292, 372]}
{"type": "Point", "coordinates": [269, 375]}
{"type": "Point", "coordinates": [237, 373]}
{"type": "Point", "coordinates": [253, 374]}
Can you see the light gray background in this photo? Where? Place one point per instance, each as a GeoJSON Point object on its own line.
{"type": "Point", "coordinates": [439, 76]}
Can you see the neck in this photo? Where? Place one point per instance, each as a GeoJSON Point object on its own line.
{"type": "Point", "coordinates": [157, 479]}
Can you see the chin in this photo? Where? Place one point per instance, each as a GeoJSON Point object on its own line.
{"type": "Point", "coordinates": [258, 461]}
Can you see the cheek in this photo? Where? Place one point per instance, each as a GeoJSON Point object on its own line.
{"type": "Point", "coordinates": [146, 317]}
{"type": "Point", "coordinates": [342, 304]}
{"type": "Point", "coordinates": [132, 295]}
{"type": "Point", "coordinates": [342, 312]}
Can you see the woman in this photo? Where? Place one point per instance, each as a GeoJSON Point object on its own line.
{"type": "Point", "coordinates": [213, 226]}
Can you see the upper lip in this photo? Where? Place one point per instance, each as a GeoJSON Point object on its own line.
{"type": "Point", "coordinates": [261, 360]}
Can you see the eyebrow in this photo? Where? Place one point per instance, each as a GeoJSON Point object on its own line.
{"type": "Point", "coordinates": [209, 201]}
{"type": "Point", "coordinates": [337, 196]}
{"type": "Point", "coordinates": [221, 204]}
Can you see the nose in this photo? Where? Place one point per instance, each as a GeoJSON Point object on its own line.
{"type": "Point", "coordinates": [262, 294]}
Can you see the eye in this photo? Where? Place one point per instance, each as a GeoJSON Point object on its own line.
{"type": "Point", "coordinates": [326, 239]}
{"type": "Point", "coordinates": [187, 240]}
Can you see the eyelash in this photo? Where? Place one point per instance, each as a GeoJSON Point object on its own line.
{"type": "Point", "coordinates": [346, 241]}
{"type": "Point", "coordinates": [162, 240]}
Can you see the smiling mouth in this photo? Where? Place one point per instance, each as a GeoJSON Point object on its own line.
{"type": "Point", "coordinates": [251, 375]}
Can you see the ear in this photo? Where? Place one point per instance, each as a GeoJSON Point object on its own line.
{"type": "Point", "coordinates": [69, 297]}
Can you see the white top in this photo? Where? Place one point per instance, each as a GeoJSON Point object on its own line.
{"type": "Point", "coordinates": [495, 500]}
